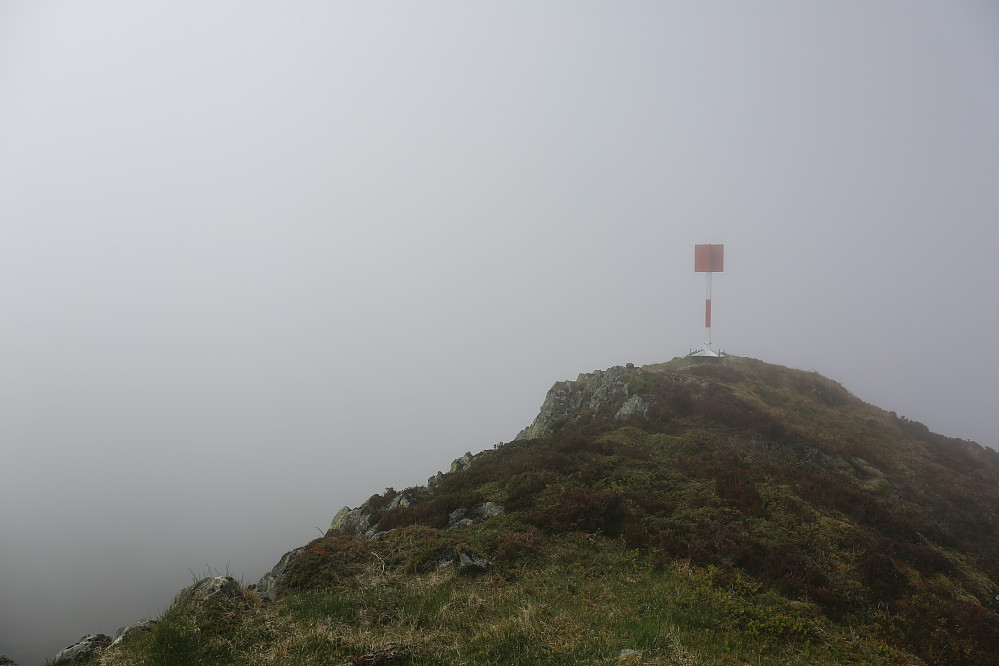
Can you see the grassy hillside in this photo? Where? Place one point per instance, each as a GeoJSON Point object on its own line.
{"type": "Point", "coordinates": [747, 513]}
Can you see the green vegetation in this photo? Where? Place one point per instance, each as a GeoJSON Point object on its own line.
{"type": "Point", "coordinates": [754, 514]}
{"type": "Point", "coordinates": [579, 600]}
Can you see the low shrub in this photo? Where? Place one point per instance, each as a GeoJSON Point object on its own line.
{"type": "Point", "coordinates": [514, 545]}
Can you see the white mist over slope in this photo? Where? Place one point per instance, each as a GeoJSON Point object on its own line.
{"type": "Point", "coordinates": [261, 261]}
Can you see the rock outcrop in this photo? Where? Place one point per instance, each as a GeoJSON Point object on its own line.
{"type": "Point", "coordinates": [402, 499]}
{"type": "Point", "coordinates": [132, 631]}
{"type": "Point", "coordinates": [82, 649]}
{"type": "Point", "coordinates": [457, 465]}
{"type": "Point", "coordinates": [362, 521]}
{"type": "Point", "coordinates": [206, 588]}
{"type": "Point", "coordinates": [210, 588]}
{"type": "Point", "coordinates": [352, 521]}
{"type": "Point", "coordinates": [569, 402]}
{"type": "Point", "coordinates": [635, 404]}
{"type": "Point", "coordinates": [271, 586]}
{"type": "Point", "coordinates": [461, 463]}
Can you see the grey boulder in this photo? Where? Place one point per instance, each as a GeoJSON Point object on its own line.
{"type": "Point", "coordinates": [271, 586]}
{"type": "Point", "coordinates": [458, 518]}
{"type": "Point", "coordinates": [82, 649]}
{"type": "Point", "coordinates": [132, 631]}
{"type": "Point", "coordinates": [489, 510]}
{"type": "Point", "coordinates": [224, 587]}
{"type": "Point", "coordinates": [351, 521]}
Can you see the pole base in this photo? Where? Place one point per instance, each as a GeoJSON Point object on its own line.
{"type": "Point", "coordinates": [707, 351]}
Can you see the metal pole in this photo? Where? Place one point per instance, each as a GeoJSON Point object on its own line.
{"type": "Point", "coordinates": [707, 310]}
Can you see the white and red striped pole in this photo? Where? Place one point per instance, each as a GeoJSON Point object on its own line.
{"type": "Point", "coordinates": [707, 309]}
{"type": "Point", "coordinates": [708, 259]}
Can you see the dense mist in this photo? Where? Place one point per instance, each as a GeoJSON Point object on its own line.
{"type": "Point", "coordinates": [261, 261]}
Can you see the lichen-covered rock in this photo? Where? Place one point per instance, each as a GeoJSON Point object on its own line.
{"type": "Point", "coordinates": [635, 404]}
{"type": "Point", "coordinates": [489, 510]}
{"type": "Point", "coordinates": [132, 631]}
{"type": "Point", "coordinates": [403, 499]}
{"type": "Point", "coordinates": [271, 586]}
{"type": "Point", "coordinates": [211, 588]}
{"type": "Point", "coordinates": [458, 518]}
{"type": "Point", "coordinates": [82, 649]}
{"type": "Point", "coordinates": [569, 402]}
{"type": "Point", "coordinates": [457, 465]}
{"type": "Point", "coordinates": [461, 463]}
{"type": "Point", "coordinates": [351, 521]}
{"type": "Point", "coordinates": [362, 521]}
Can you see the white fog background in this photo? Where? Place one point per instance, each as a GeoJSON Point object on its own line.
{"type": "Point", "coordinates": [260, 260]}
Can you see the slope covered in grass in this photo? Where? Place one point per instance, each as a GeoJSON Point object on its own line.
{"type": "Point", "coordinates": [718, 511]}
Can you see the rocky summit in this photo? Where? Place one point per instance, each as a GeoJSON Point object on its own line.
{"type": "Point", "coordinates": [700, 511]}
{"type": "Point", "coordinates": [570, 403]}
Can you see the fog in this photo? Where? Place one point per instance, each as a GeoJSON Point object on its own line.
{"type": "Point", "coordinates": [261, 260]}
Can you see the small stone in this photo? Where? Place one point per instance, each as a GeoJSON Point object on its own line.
{"type": "Point", "coordinates": [466, 562]}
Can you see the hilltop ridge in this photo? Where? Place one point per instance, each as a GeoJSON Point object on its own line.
{"type": "Point", "coordinates": [695, 511]}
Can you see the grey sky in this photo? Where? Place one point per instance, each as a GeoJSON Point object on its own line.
{"type": "Point", "coordinates": [261, 260]}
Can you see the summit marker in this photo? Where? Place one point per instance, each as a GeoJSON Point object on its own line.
{"type": "Point", "coordinates": [708, 259]}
